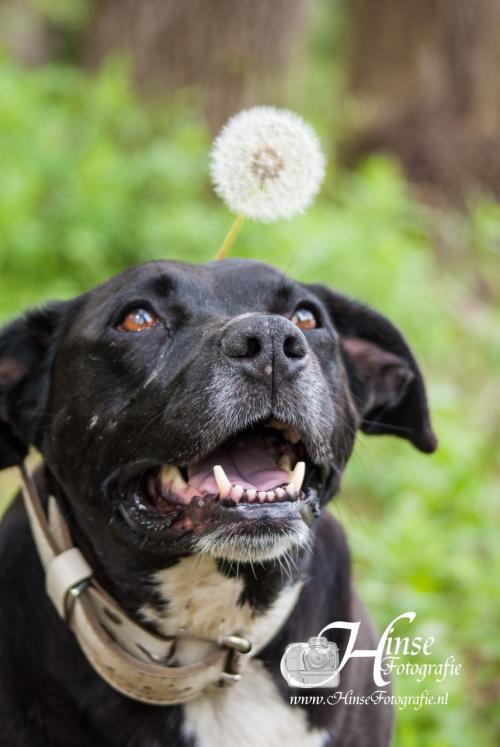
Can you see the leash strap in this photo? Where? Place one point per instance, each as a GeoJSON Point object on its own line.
{"type": "Point", "coordinates": [130, 658]}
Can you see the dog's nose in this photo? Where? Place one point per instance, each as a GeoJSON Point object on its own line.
{"type": "Point", "coordinates": [263, 345]}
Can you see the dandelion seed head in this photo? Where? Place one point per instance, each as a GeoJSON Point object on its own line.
{"type": "Point", "coordinates": [267, 163]}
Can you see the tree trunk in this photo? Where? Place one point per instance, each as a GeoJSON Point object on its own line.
{"type": "Point", "coordinates": [232, 50]}
{"type": "Point", "coordinates": [425, 82]}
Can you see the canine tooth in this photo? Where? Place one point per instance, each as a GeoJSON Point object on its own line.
{"type": "Point", "coordinates": [280, 493]}
{"type": "Point", "coordinates": [167, 473]}
{"type": "Point", "coordinates": [223, 484]}
{"type": "Point", "coordinates": [291, 490]}
{"type": "Point", "coordinates": [285, 463]}
{"type": "Point", "coordinates": [251, 494]}
{"type": "Point", "coordinates": [261, 495]}
{"type": "Point", "coordinates": [171, 474]}
{"type": "Point", "coordinates": [236, 492]}
{"type": "Point", "coordinates": [178, 485]}
{"type": "Point", "coordinates": [298, 475]}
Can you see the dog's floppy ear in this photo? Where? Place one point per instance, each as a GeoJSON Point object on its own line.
{"type": "Point", "coordinates": [387, 386]}
{"type": "Point", "coordinates": [26, 347]}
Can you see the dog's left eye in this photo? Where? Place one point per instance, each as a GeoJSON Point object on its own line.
{"type": "Point", "coordinates": [304, 318]}
{"type": "Point", "coordinates": [138, 320]}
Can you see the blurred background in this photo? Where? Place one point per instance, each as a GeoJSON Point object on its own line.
{"type": "Point", "coordinates": [107, 111]}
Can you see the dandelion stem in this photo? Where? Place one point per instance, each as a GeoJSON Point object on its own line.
{"type": "Point", "coordinates": [230, 237]}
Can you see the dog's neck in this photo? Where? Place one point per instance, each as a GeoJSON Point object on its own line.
{"type": "Point", "coordinates": [200, 596]}
{"type": "Point", "coordinates": [196, 593]}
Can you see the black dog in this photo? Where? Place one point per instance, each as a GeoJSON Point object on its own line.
{"type": "Point", "coordinates": [133, 393]}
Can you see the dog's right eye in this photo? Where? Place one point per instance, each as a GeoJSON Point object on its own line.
{"type": "Point", "coordinates": [138, 320]}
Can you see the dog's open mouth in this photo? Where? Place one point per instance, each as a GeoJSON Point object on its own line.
{"type": "Point", "coordinates": [263, 472]}
{"type": "Point", "coordinates": [260, 465]}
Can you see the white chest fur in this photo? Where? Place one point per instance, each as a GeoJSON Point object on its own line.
{"type": "Point", "coordinates": [249, 714]}
{"type": "Point", "coordinates": [201, 600]}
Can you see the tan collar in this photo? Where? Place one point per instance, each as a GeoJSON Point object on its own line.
{"type": "Point", "coordinates": [129, 657]}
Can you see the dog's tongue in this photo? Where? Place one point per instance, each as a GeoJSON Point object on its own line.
{"type": "Point", "coordinates": [246, 462]}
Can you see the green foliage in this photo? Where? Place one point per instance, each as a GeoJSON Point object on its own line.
{"type": "Point", "coordinates": [92, 181]}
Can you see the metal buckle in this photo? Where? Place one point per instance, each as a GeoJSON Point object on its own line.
{"type": "Point", "coordinates": [236, 646]}
{"type": "Point", "coordinates": [236, 643]}
{"type": "Point", "coordinates": [229, 679]}
{"type": "Point", "coordinates": [72, 595]}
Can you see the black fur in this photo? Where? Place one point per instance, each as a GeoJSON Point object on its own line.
{"type": "Point", "coordinates": [96, 402]}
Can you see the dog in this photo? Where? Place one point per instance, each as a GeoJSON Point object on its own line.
{"type": "Point", "coordinates": [194, 421]}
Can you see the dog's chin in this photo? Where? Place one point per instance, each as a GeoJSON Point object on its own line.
{"type": "Point", "coordinates": [253, 498]}
{"type": "Point", "coordinates": [257, 539]}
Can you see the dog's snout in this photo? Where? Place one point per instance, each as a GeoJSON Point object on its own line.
{"type": "Point", "coordinates": [262, 344]}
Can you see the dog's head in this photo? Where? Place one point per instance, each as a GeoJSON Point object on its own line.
{"type": "Point", "coordinates": [212, 408]}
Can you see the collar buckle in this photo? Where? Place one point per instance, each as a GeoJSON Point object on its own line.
{"type": "Point", "coordinates": [238, 647]}
{"type": "Point", "coordinates": [236, 643]}
{"type": "Point", "coordinates": [71, 596]}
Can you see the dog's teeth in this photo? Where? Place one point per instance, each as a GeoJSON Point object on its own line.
{"type": "Point", "coordinates": [298, 475]}
{"type": "Point", "coordinates": [291, 490]}
{"type": "Point", "coordinates": [292, 435]}
{"type": "Point", "coordinates": [167, 474]}
{"type": "Point", "coordinates": [237, 492]}
{"type": "Point", "coordinates": [270, 496]}
{"type": "Point", "coordinates": [261, 495]}
{"type": "Point", "coordinates": [251, 494]}
{"type": "Point", "coordinates": [223, 484]}
{"type": "Point", "coordinates": [171, 475]}
{"type": "Point", "coordinates": [280, 493]}
{"type": "Point", "coordinates": [178, 484]}
{"type": "Point", "coordinates": [285, 463]}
